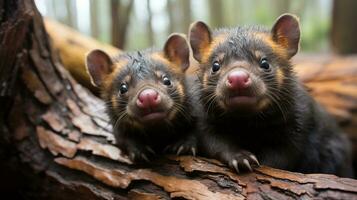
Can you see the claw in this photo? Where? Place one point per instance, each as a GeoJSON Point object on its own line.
{"type": "Point", "coordinates": [235, 165]}
{"type": "Point", "coordinates": [193, 150]}
{"type": "Point", "coordinates": [179, 150]}
{"type": "Point", "coordinates": [255, 159]}
{"type": "Point", "coordinates": [150, 150]}
{"type": "Point", "coordinates": [246, 163]}
{"type": "Point", "coordinates": [132, 156]}
{"type": "Point", "coordinates": [145, 157]}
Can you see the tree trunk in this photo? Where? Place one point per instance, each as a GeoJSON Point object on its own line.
{"type": "Point", "coordinates": [149, 24]}
{"type": "Point", "coordinates": [216, 13]}
{"type": "Point", "coordinates": [120, 21]}
{"type": "Point", "coordinates": [94, 18]}
{"type": "Point", "coordinates": [282, 6]}
{"type": "Point", "coordinates": [186, 18]}
{"type": "Point", "coordinates": [114, 6]}
{"type": "Point", "coordinates": [55, 137]}
{"type": "Point", "coordinates": [344, 29]}
{"type": "Point", "coordinates": [170, 11]}
{"type": "Point", "coordinates": [71, 19]}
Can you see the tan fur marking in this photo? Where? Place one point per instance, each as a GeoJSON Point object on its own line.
{"type": "Point", "coordinates": [161, 58]}
{"type": "Point", "coordinates": [278, 49]}
{"type": "Point", "coordinates": [127, 79]}
{"type": "Point", "coordinates": [280, 76]}
{"type": "Point", "coordinates": [263, 103]}
{"type": "Point", "coordinates": [207, 51]}
{"type": "Point", "coordinates": [180, 91]}
{"type": "Point", "coordinates": [258, 54]}
{"type": "Point", "coordinates": [158, 74]}
{"type": "Point", "coordinates": [114, 102]}
{"type": "Point", "coordinates": [118, 66]}
{"type": "Point", "coordinates": [205, 79]}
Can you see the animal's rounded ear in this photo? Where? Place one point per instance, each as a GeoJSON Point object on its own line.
{"type": "Point", "coordinates": [99, 65]}
{"type": "Point", "coordinates": [200, 37]}
{"type": "Point", "coordinates": [286, 32]}
{"type": "Point", "coordinates": [176, 50]}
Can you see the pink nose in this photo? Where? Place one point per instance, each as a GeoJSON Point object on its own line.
{"type": "Point", "coordinates": [238, 79]}
{"type": "Point", "coordinates": [148, 98]}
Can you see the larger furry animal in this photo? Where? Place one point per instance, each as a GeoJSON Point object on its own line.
{"type": "Point", "coordinates": [256, 106]}
{"type": "Point", "coordinates": [147, 98]}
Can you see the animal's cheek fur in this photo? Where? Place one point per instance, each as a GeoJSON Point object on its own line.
{"type": "Point", "coordinates": [280, 76]}
{"type": "Point", "coordinates": [170, 106]}
{"type": "Point", "coordinates": [263, 103]}
{"type": "Point", "coordinates": [131, 109]}
{"type": "Point", "coordinates": [114, 102]}
{"type": "Point", "coordinates": [205, 76]}
{"type": "Point", "coordinates": [180, 89]}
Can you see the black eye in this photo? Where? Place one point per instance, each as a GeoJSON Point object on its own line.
{"type": "Point", "coordinates": [216, 66]}
{"type": "Point", "coordinates": [264, 64]}
{"type": "Point", "coordinates": [166, 80]}
{"type": "Point", "coordinates": [123, 88]}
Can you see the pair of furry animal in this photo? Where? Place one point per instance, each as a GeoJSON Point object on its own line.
{"type": "Point", "coordinates": [246, 104]}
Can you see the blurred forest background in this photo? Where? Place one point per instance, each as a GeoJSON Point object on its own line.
{"type": "Point", "coordinates": [138, 24]}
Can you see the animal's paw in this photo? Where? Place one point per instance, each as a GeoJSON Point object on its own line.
{"type": "Point", "coordinates": [242, 161]}
{"type": "Point", "coordinates": [139, 153]}
{"type": "Point", "coordinates": [183, 147]}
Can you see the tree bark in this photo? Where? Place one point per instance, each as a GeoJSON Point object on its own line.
{"type": "Point", "coordinates": [56, 143]}
{"type": "Point", "coordinates": [344, 29]}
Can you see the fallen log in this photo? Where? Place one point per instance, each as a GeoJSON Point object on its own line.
{"type": "Point", "coordinates": [56, 142]}
{"type": "Point", "coordinates": [73, 47]}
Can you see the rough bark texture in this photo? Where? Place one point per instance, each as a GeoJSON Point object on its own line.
{"type": "Point", "coordinates": [56, 143]}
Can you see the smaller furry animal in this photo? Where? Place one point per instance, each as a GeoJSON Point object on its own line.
{"type": "Point", "coordinates": [147, 98]}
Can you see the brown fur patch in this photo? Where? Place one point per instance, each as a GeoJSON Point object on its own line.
{"type": "Point", "coordinates": [280, 76]}
{"type": "Point", "coordinates": [278, 49]}
{"type": "Point", "coordinates": [180, 90]}
{"type": "Point", "coordinates": [258, 54]}
{"type": "Point", "coordinates": [205, 79]}
{"type": "Point", "coordinates": [114, 102]}
{"type": "Point", "coordinates": [172, 114]}
{"type": "Point", "coordinates": [207, 50]}
{"type": "Point", "coordinates": [263, 103]}
{"type": "Point", "coordinates": [118, 66]}
{"type": "Point", "coordinates": [161, 58]}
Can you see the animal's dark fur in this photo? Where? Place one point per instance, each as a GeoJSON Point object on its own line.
{"type": "Point", "coordinates": [292, 132]}
{"type": "Point", "coordinates": [136, 138]}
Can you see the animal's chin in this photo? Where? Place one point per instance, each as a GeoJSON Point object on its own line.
{"type": "Point", "coordinates": [241, 101]}
{"type": "Point", "coordinates": [153, 117]}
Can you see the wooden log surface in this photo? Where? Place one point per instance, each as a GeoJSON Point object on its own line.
{"type": "Point", "coordinates": [73, 47]}
{"type": "Point", "coordinates": [56, 142]}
